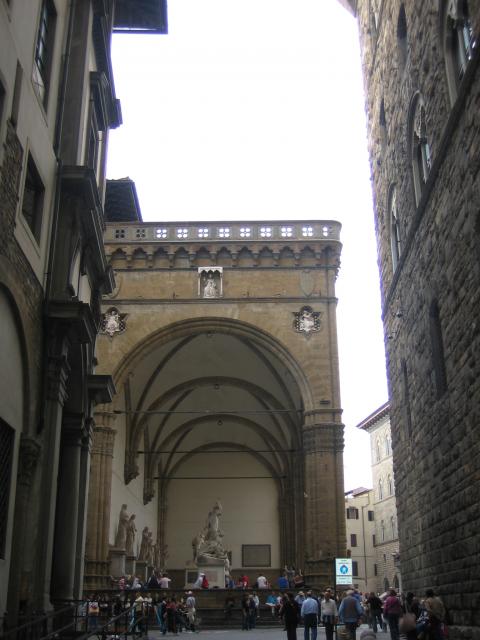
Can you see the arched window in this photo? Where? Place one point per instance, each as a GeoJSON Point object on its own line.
{"type": "Point", "coordinates": [394, 228]}
{"type": "Point", "coordinates": [402, 42]}
{"type": "Point", "coordinates": [387, 446]}
{"type": "Point", "coordinates": [380, 489]}
{"type": "Point", "coordinates": [420, 154]}
{"type": "Point", "coordinates": [377, 450]}
{"type": "Point", "coordinates": [458, 42]}
{"type": "Point", "coordinates": [382, 531]}
{"type": "Point", "coordinates": [438, 358]}
{"type": "Point", "coordinates": [390, 485]}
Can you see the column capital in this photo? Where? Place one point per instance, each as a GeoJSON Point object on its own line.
{"type": "Point", "coordinates": [103, 440]}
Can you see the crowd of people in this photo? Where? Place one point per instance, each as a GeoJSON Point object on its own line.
{"type": "Point", "coordinates": [345, 611]}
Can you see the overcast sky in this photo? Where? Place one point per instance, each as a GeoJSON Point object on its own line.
{"type": "Point", "coordinates": [253, 109]}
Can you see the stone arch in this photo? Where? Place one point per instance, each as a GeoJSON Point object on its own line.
{"type": "Point", "coordinates": [118, 259]}
{"type": "Point", "coordinates": [307, 257]}
{"type": "Point", "coordinates": [160, 259]}
{"type": "Point", "coordinates": [245, 258]}
{"type": "Point", "coordinates": [181, 260]}
{"type": "Point", "coordinates": [265, 258]}
{"type": "Point", "coordinates": [287, 257]}
{"type": "Point", "coordinates": [224, 257]}
{"type": "Point", "coordinates": [139, 259]}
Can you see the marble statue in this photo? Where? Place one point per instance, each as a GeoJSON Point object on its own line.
{"type": "Point", "coordinates": [130, 535]}
{"type": "Point", "coordinates": [123, 520]}
{"type": "Point", "coordinates": [210, 289]}
{"type": "Point", "coordinates": [208, 545]}
{"type": "Point", "coordinates": [143, 553]}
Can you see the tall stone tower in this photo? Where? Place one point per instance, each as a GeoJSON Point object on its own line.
{"type": "Point", "coordinates": [420, 64]}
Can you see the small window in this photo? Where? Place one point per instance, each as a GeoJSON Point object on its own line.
{"type": "Point", "coordinates": [286, 232]}
{"type": "Point", "coordinates": [245, 232]}
{"type": "Point", "coordinates": [352, 513]}
{"type": "Point", "coordinates": [265, 232]}
{"type": "Point", "coordinates": [459, 42]}
{"type": "Point", "coordinates": [371, 516]}
{"type": "Point", "coordinates": [374, 540]}
{"type": "Point", "coordinates": [32, 202]}
{"type": "Point", "coordinates": [182, 233]}
{"type": "Point", "coordinates": [353, 539]}
{"type": "Point", "coordinates": [203, 232]}
{"type": "Point", "coordinates": [438, 357]}
{"type": "Point", "coordinates": [420, 154]}
{"type": "Point", "coordinates": [375, 570]}
{"type": "Point", "coordinates": [119, 234]}
{"type": "Point", "coordinates": [44, 49]}
{"type": "Point", "coordinates": [140, 234]}
{"type": "Point", "coordinates": [402, 42]}
{"type": "Point", "coordinates": [161, 234]}
{"type": "Point", "coordinates": [224, 232]}
{"type": "Point", "coordinates": [307, 232]}
{"type": "Point", "coordinates": [355, 567]}
{"type": "Point", "coordinates": [394, 224]}
{"type": "Point", "coordinates": [7, 436]}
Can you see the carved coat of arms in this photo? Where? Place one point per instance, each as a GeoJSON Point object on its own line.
{"type": "Point", "coordinates": [113, 322]}
{"type": "Point", "coordinates": [306, 321]}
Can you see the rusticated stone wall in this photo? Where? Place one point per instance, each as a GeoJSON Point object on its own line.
{"type": "Point", "coordinates": [435, 425]}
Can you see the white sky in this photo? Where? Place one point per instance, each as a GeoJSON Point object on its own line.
{"type": "Point", "coordinates": [253, 109]}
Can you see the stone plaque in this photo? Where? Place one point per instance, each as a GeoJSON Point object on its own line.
{"type": "Point", "coordinates": [256, 555]}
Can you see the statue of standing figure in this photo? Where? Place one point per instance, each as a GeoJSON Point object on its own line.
{"type": "Point", "coordinates": [123, 520]}
{"type": "Point", "coordinates": [143, 555]}
{"type": "Point", "coordinates": [130, 537]}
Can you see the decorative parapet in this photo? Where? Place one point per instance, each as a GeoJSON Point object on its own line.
{"type": "Point", "coordinates": [221, 232]}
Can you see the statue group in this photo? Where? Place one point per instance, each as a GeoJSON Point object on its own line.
{"type": "Point", "coordinates": [208, 544]}
{"type": "Point", "coordinates": [149, 552]}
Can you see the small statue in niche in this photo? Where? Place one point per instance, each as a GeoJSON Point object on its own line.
{"type": "Point", "coordinates": [210, 289]}
{"type": "Point", "coordinates": [144, 545]}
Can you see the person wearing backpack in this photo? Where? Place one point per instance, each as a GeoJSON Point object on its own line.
{"type": "Point", "coordinates": [392, 610]}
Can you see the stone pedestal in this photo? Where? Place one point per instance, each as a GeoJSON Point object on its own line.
{"type": "Point", "coordinates": [141, 567]}
{"type": "Point", "coordinates": [130, 568]}
{"type": "Point", "coordinates": [215, 574]}
{"type": "Point", "coordinates": [117, 562]}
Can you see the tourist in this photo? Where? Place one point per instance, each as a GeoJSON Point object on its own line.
{"type": "Point", "coordinates": [289, 614]}
{"type": "Point", "coordinates": [282, 582]}
{"type": "Point", "coordinates": [309, 613]}
{"type": "Point", "coordinates": [229, 607]}
{"type": "Point", "coordinates": [256, 600]}
{"type": "Point", "coordinates": [329, 614]}
{"type": "Point", "coordinates": [299, 598]}
{"type": "Point", "coordinates": [165, 581]}
{"type": "Point", "coordinates": [299, 580]}
{"type": "Point", "coordinates": [290, 575]}
{"type": "Point", "coordinates": [350, 613]}
{"type": "Point", "coordinates": [436, 613]}
{"type": "Point", "coordinates": [375, 605]}
{"type": "Point", "coordinates": [171, 611]}
{"type": "Point", "coordinates": [262, 582]}
{"type": "Point", "coordinates": [392, 610]}
{"type": "Point", "coordinates": [199, 581]}
{"type": "Point", "coordinates": [154, 581]}
{"type": "Point", "coordinates": [93, 612]}
{"type": "Point", "coordinates": [161, 614]}
{"type": "Point", "coordinates": [271, 602]}
{"type": "Point", "coordinates": [245, 612]}
{"type": "Point", "coordinates": [205, 584]}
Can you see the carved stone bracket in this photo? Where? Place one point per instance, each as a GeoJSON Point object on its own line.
{"type": "Point", "coordinates": [29, 454]}
{"type": "Point", "coordinates": [131, 470]}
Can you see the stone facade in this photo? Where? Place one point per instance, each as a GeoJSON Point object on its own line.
{"type": "Point", "coordinates": [421, 71]}
{"type": "Point", "coordinates": [222, 341]}
{"type": "Point", "coordinates": [387, 553]}
{"type": "Point", "coordinates": [360, 524]}
{"type": "Point", "coordinates": [57, 104]}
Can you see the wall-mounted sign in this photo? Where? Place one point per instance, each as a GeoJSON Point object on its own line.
{"type": "Point", "coordinates": [343, 571]}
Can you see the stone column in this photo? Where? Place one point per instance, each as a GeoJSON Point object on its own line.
{"type": "Point", "coordinates": [69, 501]}
{"type": "Point", "coordinates": [85, 455]}
{"type": "Point", "coordinates": [97, 570]}
{"type": "Point", "coordinates": [57, 374]}
{"type": "Point", "coordinates": [324, 499]}
{"type": "Point", "coordinates": [21, 572]}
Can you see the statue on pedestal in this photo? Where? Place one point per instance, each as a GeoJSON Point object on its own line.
{"type": "Point", "coordinates": [144, 545]}
{"type": "Point", "coordinates": [123, 520]}
{"type": "Point", "coordinates": [207, 545]}
{"type": "Point", "coordinates": [130, 536]}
